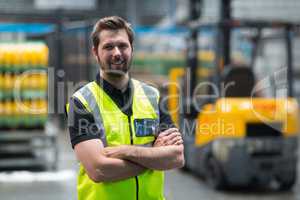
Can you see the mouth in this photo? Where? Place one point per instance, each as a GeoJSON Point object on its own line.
{"type": "Point", "coordinates": [118, 62]}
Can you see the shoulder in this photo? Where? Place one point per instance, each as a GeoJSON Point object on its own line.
{"type": "Point", "coordinates": [82, 90]}
{"type": "Point", "coordinates": [148, 88]}
{"type": "Point", "coordinates": [80, 96]}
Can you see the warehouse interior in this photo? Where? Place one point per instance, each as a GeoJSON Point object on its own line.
{"type": "Point", "coordinates": [186, 49]}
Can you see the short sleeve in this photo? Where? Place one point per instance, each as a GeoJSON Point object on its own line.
{"type": "Point", "coordinates": [81, 123]}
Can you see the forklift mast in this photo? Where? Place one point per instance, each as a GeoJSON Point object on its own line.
{"type": "Point", "coordinates": [225, 10]}
{"type": "Point", "coordinates": [190, 80]}
{"type": "Point", "coordinates": [288, 38]}
{"type": "Point", "coordinates": [223, 51]}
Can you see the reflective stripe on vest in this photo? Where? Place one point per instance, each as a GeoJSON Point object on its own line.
{"type": "Point", "coordinates": [122, 129]}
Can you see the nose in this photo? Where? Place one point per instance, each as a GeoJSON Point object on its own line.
{"type": "Point", "coordinates": [116, 51]}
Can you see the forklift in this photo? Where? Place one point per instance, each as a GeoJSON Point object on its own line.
{"type": "Point", "coordinates": [233, 135]}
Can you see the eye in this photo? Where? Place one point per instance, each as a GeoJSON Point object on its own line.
{"type": "Point", "coordinates": [123, 46]}
{"type": "Point", "coordinates": [108, 47]}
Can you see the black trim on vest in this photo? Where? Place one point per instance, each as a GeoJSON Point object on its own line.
{"type": "Point", "coordinates": [131, 143]}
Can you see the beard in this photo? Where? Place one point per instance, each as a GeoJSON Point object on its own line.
{"type": "Point", "coordinates": [116, 70]}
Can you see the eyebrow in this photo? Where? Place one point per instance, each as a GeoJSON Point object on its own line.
{"type": "Point", "coordinates": [115, 43]}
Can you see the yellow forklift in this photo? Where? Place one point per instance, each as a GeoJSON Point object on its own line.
{"type": "Point", "coordinates": [233, 134]}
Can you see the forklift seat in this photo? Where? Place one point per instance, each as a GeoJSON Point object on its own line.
{"type": "Point", "coordinates": [238, 81]}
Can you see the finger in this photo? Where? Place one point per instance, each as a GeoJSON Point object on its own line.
{"type": "Point", "coordinates": [172, 142]}
{"type": "Point", "coordinates": [175, 140]}
{"type": "Point", "coordinates": [180, 142]}
{"type": "Point", "coordinates": [171, 136]}
{"type": "Point", "coordinates": [167, 140]}
{"type": "Point", "coordinates": [170, 139]}
{"type": "Point", "coordinates": [105, 153]}
{"type": "Point", "coordinates": [168, 131]}
{"type": "Point", "coordinates": [159, 142]}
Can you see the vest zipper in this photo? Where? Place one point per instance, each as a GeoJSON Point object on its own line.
{"type": "Point", "coordinates": [130, 130]}
{"type": "Point", "coordinates": [131, 142]}
{"type": "Point", "coordinates": [137, 187]}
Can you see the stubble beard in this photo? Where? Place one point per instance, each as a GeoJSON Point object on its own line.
{"type": "Point", "coordinates": [116, 73]}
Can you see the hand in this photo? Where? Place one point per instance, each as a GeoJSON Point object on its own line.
{"type": "Point", "coordinates": [168, 137]}
{"type": "Point", "coordinates": [115, 152]}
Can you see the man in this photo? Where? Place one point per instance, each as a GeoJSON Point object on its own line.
{"type": "Point", "coordinates": [118, 131]}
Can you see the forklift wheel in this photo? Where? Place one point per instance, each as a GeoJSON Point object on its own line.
{"type": "Point", "coordinates": [286, 184]}
{"type": "Point", "coordinates": [214, 175]}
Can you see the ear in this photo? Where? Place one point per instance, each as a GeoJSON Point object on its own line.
{"type": "Point", "coordinates": [132, 50]}
{"type": "Point", "coordinates": [132, 47]}
{"type": "Point", "coordinates": [94, 50]}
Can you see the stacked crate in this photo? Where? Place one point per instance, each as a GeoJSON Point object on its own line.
{"type": "Point", "coordinates": [23, 85]}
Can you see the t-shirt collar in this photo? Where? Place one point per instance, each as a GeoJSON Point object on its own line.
{"type": "Point", "coordinates": [109, 88]}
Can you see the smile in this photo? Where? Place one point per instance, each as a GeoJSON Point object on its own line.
{"type": "Point", "coordinates": [120, 62]}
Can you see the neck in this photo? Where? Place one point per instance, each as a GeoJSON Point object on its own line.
{"type": "Point", "coordinates": [119, 82]}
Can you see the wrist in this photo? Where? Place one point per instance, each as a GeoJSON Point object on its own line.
{"type": "Point", "coordinates": [128, 152]}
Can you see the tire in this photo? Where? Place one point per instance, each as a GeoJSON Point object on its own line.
{"type": "Point", "coordinates": [286, 184]}
{"type": "Point", "coordinates": [185, 168]}
{"type": "Point", "coordinates": [214, 174]}
{"type": "Point", "coordinates": [188, 142]}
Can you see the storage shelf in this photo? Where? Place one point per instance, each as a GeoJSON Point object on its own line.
{"type": "Point", "coordinates": [15, 69]}
{"type": "Point", "coordinates": [26, 94]}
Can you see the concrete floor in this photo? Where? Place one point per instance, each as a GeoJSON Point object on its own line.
{"type": "Point", "coordinates": [61, 185]}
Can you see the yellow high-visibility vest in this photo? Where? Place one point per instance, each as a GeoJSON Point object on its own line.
{"type": "Point", "coordinates": [120, 129]}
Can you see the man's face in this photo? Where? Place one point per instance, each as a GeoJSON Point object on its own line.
{"type": "Point", "coordinates": [114, 52]}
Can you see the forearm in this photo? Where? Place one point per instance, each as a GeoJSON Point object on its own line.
{"type": "Point", "coordinates": [113, 169]}
{"type": "Point", "coordinates": [157, 158]}
{"type": "Point", "coordinates": [101, 168]}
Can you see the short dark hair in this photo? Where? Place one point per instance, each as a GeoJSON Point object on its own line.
{"type": "Point", "coordinates": [111, 23]}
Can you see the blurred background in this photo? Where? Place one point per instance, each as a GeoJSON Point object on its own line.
{"type": "Point", "coordinates": [45, 55]}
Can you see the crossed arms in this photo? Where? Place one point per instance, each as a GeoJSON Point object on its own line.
{"type": "Point", "coordinates": [125, 161]}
